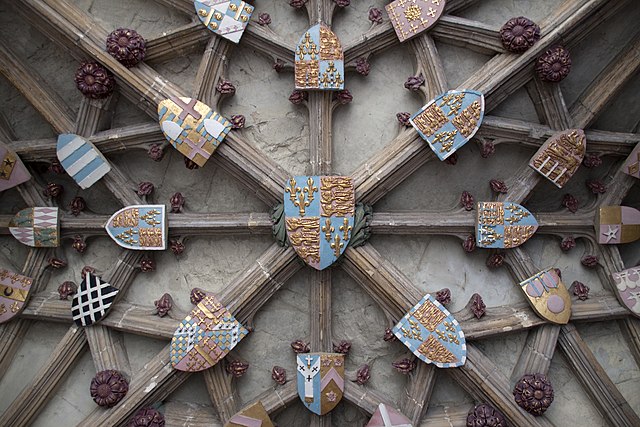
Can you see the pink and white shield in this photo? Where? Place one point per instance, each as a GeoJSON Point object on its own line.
{"type": "Point", "coordinates": [386, 416]}
{"type": "Point", "coordinates": [628, 287]}
{"type": "Point", "coordinates": [14, 292]}
{"type": "Point", "coordinates": [12, 170]}
{"type": "Point", "coordinates": [37, 227]}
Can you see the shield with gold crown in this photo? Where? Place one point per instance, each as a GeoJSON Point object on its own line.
{"type": "Point", "coordinates": [503, 225]}
{"type": "Point", "coordinates": [433, 334]}
{"type": "Point", "coordinates": [320, 380]}
{"type": "Point", "coordinates": [319, 212]}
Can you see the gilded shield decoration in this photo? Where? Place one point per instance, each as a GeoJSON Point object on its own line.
{"type": "Point", "coordinates": [503, 225]}
{"type": "Point", "coordinates": [14, 292]}
{"type": "Point", "coordinates": [631, 166]}
{"type": "Point", "coordinates": [205, 336]}
{"type": "Point", "coordinates": [628, 288]}
{"type": "Point", "coordinates": [548, 296]}
{"type": "Point", "coordinates": [560, 156]}
{"type": "Point", "coordinates": [252, 416]}
{"type": "Point", "coordinates": [38, 227]}
{"type": "Point", "coordinates": [320, 380]}
{"type": "Point", "coordinates": [227, 18]}
{"type": "Point", "coordinates": [411, 17]}
{"type": "Point", "coordinates": [319, 62]}
{"type": "Point", "coordinates": [319, 213]}
{"type": "Point", "coordinates": [617, 224]}
{"type": "Point", "coordinates": [450, 120]}
{"type": "Point", "coordinates": [81, 159]}
{"type": "Point", "coordinates": [139, 227]}
{"type": "Point", "coordinates": [192, 127]}
{"type": "Point", "coordinates": [12, 170]}
{"type": "Point", "coordinates": [386, 416]}
{"type": "Point", "coordinates": [433, 334]}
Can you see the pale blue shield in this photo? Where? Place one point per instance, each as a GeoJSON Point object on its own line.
{"type": "Point", "coordinates": [433, 334]}
{"type": "Point", "coordinates": [81, 159]}
{"type": "Point", "coordinates": [319, 61]}
{"type": "Point", "coordinates": [450, 120]}
{"type": "Point", "coordinates": [503, 225]}
{"type": "Point", "coordinates": [320, 380]}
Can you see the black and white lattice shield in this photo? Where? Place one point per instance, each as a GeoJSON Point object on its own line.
{"type": "Point", "coordinates": [93, 299]}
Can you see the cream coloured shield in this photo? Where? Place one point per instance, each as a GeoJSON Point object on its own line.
{"type": "Point", "coordinates": [139, 227]}
{"type": "Point", "coordinates": [503, 225]}
{"type": "Point", "coordinates": [548, 296]}
{"type": "Point", "coordinates": [320, 380]}
{"type": "Point", "coordinates": [560, 156]}
{"type": "Point", "coordinates": [12, 170]}
{"type": "Point", "coordinates": [14, 292]}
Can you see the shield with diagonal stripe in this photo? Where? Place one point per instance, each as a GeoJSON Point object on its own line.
{"type": "Point", "coordinates": [81, 159]}
{"type": "Point", "coordinates": [320, 380]}
{"type": "Point", "coordinates": [14, 292]}
{"type": "Point", "coordinates": [92, 301]}
{"type": "Point", "coordinates": [38, 227]}
{"type": "Point", "coordinates": [252, 416]}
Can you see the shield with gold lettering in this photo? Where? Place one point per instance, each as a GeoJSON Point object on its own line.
{"type": "Point", "coordinates": [14, 292]}
{"type": "Point", "coordinates": [319, 60]}
{"type": "Point", "coordinates": [139, 227]}
{"type": "Point", "coordinates": [450, 120]}
{"type": "Point", "coordinates": [38, 227]}
{"type": "Point", "coordinates": [252, 416]}
{"type": "Point", "coordinates": [548, 296]}
{"type": "Point", "coordinates": [411, 17]}
{"type": "Point", "coordinates": [205, 336]}
{"type": "Point", "coordinates": [319, 217]}
{"type": "Point", "coordinates": [617, 224]}
{"type": "Point", "coordinates": [632, 164]}
{"type": "Point", "coordinates": [560, 156]}
{"type": "Point", "coordinates": [433, 334]}
{"type": "Point", "coordinates": [227, 18]}
{"type": "Point", "coordinates": [192, 127]}
{"type": "Point", "coordinates": [503, 225]}
{"type": "Point", "coordinates": [628, 287]}
{"type": "Point", "coordinates": [12, 170]}
{"type": "Point", "coordinates": [320, 380]}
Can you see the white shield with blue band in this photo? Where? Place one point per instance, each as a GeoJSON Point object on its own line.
{"type": "Point", "coordinates": [450, 120]}
{"type": "Point", "coordinates": [433, 334]}
{"type": "Point", "coordinates": [319, 214]}
{"type": "Point", "coordinates": [81, 159]}
{"type": "Point", "coordinates": [320, 380]}
{"type": "Point", "coordinates": [503, 225]}
{"type": "Point", "coordinates": [225, 18]}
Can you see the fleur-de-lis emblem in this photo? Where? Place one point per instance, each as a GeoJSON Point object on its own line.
{"type": "Point", "coordinates": [345, 228]}
{"type": "Point", "coordinates": [327, 229]}
{"type": "Point", "coordinates": [336, 245]}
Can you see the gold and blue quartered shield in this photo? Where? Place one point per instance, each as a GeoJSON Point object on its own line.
{"type": "Point", "coordinates": [320, 380]}
{"type": "Point", "coordinates": [139, 227]}
{"type": "Point", "coordinates": [319, 62]}
{"type": "Point", "coordinates": [319, 214]}
{"type": "Point", "coordinates": [503, 225]}
{"type": "Point", "coordinates": [433, 334]}
{"type": "Point", "coordinates": [450, 120]}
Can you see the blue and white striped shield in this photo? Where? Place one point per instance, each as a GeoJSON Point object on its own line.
{"type": "Point", "coordinates": [81, 159]}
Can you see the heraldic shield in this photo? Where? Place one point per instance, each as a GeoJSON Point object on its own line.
{"type": "Point", "coordinates": [450, 120]}
{"type": "Point", "coordinates": [386, 416]}
{"type": "Point", "coordinates": [225, 18]}
{"type": "Point", "coordinates": [503, 225]}
{"type": "Point", "coordinates": [81, 159]}
{"type": "Point", "coordinates": [617, 224]}
{"type": "Point", "coordinates": [411, 17]}
{"type": "Point", "coordinates": [205, 336]}
{"type": "Point", "coordinates": [631, 166]}
{"type": "Point", "coordinates": [433, 334]}
{"type": "Point", "coordinates": [320, 380]}
{"type": "Point", "coordinates": [14, 291]}
{"type": "Point", "coordinates": [12, 170]}
{"type": "Point", "coordinates": [319, 60]}
{"type": "Point", "coordinates": [560, 156]}
{"type": "Point", "coordinates": [192, 127]}
{"type": "Point", "coordinates": [548, 296]}
{"type": "Point", "coordinates": [251, 416]}
{"type": "Point", "coordinates": [319, 214]}
{"type": "Point", "coordinates": [139, 227]}
{"type": "Point", "coordinates": [37, 227]}
{"type": "Point", "coordinates": [628, 288]}
{"type": "Point", "coordinates": [92, 301]}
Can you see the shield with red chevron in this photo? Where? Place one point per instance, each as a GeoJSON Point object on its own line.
{"type": "Point", "coordinates": [320, 380]}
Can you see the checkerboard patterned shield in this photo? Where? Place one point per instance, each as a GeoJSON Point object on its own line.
{"type": "Point", "coordinates": [92, 301]}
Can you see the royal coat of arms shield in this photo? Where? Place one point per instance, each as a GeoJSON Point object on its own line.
{"type": "Point", "coordinates": [192, 127]}
{"type": "Point", "coordinates": [411, 17]}
{"type": "Point", "coordinates": [560, 156]}
{"type": "Point", "coordinates": [631, 166]}
{"type": "Point", "coordinates": [548, 296]}
{"type": "Point", "coordinates": [319, 214]}
{"type": "Point", "coordinates": [38, 227]}
{"type": "Point", "coordinates": [227, 18]}
{"type": "Point", "coordinates": [319, 62]}
{"type": "Point", "coordinates": [320, 380]}
{"type": "Point", "coordinates": [12, 171]}
{"type": "Point", "coordinates": [628, 288]}
{"type": "Point", "coordinates": [386, 416]}
{"type": "Point", "coordinates": [139, 227]}
{"type": "Point", "coordinates": [252, 416]}
{"type": "Point", "coordinates": [503, 225]}
{"type": "Point", "coordinates": [14, 292]}
{"type": "Point", "coordinates": [617, 224]}
{"type": "Point", "coordinates": [433, 334]}
{"type": "Point", "coordinates": [205, 336]}
{"type": "Point", "coordinates": [81, 159]}
{"type": "Point", "coordinates": [92, 301]}
{"type": "Point", "coordinates": [450, 120]}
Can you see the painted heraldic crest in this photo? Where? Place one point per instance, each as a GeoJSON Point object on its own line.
{"type": "Point", "coordinates": [411, 17]}
{"type": "Point", "coordinates": [548, 296]}
{"type": "Point", "coordinates": [319, 214]}
{"type": "Point", "coordinates": [251, 416]}
{"type": "Point", "coordinates": [628, 288]}
{"type": "Point", "coordinates": [205, 336]}
{"type": "Point", "coordinates": [503, 225]}
{"type": "Point", "coordinates": [38, 227]}
{"type": "Point", "coordinates": [386, 416]}
{"type": "Point", "coordinates": [631, 166]}
{"type": "Point", "coordinates": [617, 224]}
{"type": "Point", "coordinates": [433, 334]}
{"type": "Point", "coordinates": [139, 227]}
{"type": "Point", "coordinates": [320, 380]}
{"type": "Point", "coordinates": [14, 292]}
{"type": "Point", "coordinates": [81, 159]}
{"type": "Point", "coordinates": [225, 18]}
{"type": "Point", "coordinates": [560, 156]}
{"type": "Point", "coordinates": [92, 301]}
{"type": "Point", "coordinates": [319, 62]}
{"type": "Point", "coordinates": [450, 120]}
{"type": "Point", "coordinates": [12, 171]}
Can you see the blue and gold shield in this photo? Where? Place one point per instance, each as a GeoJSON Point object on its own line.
{"type": "Point", "coordinates": [503, 225]}
{"type": "Point", "coordinates": [139, 227]}
{"type": "Point", "coordinates": [320, 380]}
{"type": "Point", "coordinates": [225, 18]}
{"type": "Point", "coordinates": [433, 334]}
{"type": "Point", "coordinates": [450, 120]}
{"type": "Point", "coordinates": [319, 217]}
{"type": "Point", "coordinates": [319, 60]}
